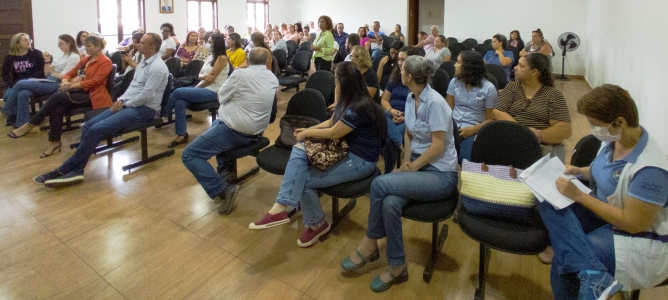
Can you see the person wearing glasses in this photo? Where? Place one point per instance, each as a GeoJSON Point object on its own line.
{"type": "Point", "coordinates": [23, 62]}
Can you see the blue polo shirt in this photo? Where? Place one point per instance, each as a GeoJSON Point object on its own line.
{"type": "Point", "coordinates": [650, 184]}
{"type": "Point", "coordinates": [492, 58]}
{"type": "Point", "coordinates": [398, 93]}
{"type": "Point", "coordinates": [470, 106]}
{"type": "Point", "coordinates": [364, 140]}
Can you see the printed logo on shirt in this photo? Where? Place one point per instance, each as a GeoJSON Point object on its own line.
{"type": "Point", "coordinates": [22, 66]}
{"type": "Point", "coordinates": [651, 187]}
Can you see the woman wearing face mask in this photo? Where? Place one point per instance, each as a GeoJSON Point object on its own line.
{"type": "Point", "coordinates": [616, 235]}
{"type": "Point", "coordinates": [533, 101]}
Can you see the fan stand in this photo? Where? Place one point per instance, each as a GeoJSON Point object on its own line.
{"type": "Point", "coordinates": [563, 61]}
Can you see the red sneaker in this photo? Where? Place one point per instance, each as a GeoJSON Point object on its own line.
{"type": "Point", "coordinates": [310, 236]}
{"type": "Point", "coordinates": [270, 220]}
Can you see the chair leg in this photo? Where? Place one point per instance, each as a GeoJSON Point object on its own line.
{"type": "Point", "coordinates": [437, 241]}
{"type": "Point", "coordinates": [338, 215]}
{"type": "Point", "coordinates": [482, 272]}
{"type": "Point", "coordinates": [144, 153]}
{"type": "Point", "coordinates": [238, 179]}
{"type": "Point", "coordinates": [634, 295]}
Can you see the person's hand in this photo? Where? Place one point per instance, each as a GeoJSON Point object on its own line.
{"type": "Point", "coordinates": [406, 167]}
{"type": "Point", "coordinates": [117, 106]}
{"type": "Point", "coordinates": [47, 56]}
{"type": "Point", "coordinates": [299, 134]}
{"type": "Point", "coordinates": [64, 86]}
{"type": "Point", "coordinates": [466, 132]}
{"type": "Point", "coordinates": [398, 120]}
{"type": "Point", "coordinates": [499, 52]}
{"type": "Point", "coordinates": [315, 48]}
{"type": "Point", "coordinates": [209, 78]}
{"type": "Point", "coordinates": [331, 107]}
{"type": "Point", "coordinates": [568, 188]}
{"type": "Point", "coordinates": [572, 170]}
{"type": "Point", "coordinates": [396, 113]}
{"type": "Point", "coordinates": [537, 133]}
{"type": "Point", "coordinates": [127, 58]}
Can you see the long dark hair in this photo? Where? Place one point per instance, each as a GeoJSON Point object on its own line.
{"type": "Point", "coordinates": [70, 41]}
{"type": "Point", "coordinates": [299, 27]}
{"type": "Point", "coordinates": [395, 77]}
{"type": "Point", "coordinates": [472, 69]}
{"type": "Point", "coordinates": [519, 37]}
{"type": "Point", "coordinates": [541, 63]}
{"type": "Point", "coordinates": [258, 40]}
{"type": "Point", "coordinates": [79, 42]}
{"type": "Point", "coordinates": [218, 47]}
{"type": "Point", "coordinates": [237, 40]}
{"type": "Point", "coordinates": [354, 94]}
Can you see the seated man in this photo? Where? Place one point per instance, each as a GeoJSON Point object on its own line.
{"type": "Point", "coordinates": [139, 104]}
{"type": "Point", "coordinates": [376, 38]}
{"type": "Point", "coordinates": [245, 99]}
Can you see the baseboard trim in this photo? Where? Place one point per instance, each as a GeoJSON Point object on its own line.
{"type": "Point", "coordinates": [569, 76]}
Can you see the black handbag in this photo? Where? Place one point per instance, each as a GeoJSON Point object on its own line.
{"type": "Point", "coordinates": [78, 96]}
{"type": "Point", "coordinates": [288, 124]}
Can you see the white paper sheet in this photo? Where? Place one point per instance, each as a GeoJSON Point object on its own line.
{"type": "Point", "coordinates": [540, 178]}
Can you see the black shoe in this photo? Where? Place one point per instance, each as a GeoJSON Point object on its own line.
{"type": "Point", "coordinates": [181, 142]}
{"type": "Point", "coordinates": [228, 175]}
{"type": "Point", "coordinates": [40, 179]}
{"type": "Point", "coordinates": [227, 197]}
{"type": "Point", "coordinates": [70, 178]}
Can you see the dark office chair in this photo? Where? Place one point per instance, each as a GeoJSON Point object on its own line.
{"type": "Point", "coordinates": [499, 74]}
{"type": "Point", "coordinates": [323, 82]}
{"type": "Point", "coordinates": [301, 64]}
{"type": "Point", "coordinates": [440, 82]}
{"type": "Point", "coordinates": [449, 67]}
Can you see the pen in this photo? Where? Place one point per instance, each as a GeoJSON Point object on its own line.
{"type": "Point", "coordinates": [577, 177]}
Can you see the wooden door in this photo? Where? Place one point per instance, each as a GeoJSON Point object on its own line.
{"type": "Point", "coordinates": [413, 21]}
{"type": "Point", "coordinates": [15, 17]}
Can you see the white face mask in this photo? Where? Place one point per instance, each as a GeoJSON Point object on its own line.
{"type": "Point", "coordinates": [604, 135]}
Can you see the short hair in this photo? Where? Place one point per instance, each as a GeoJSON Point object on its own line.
{"type": "Point", "coordinates": [15, 46]}
{"type": "Point", "coordinates": [472, 68]}
{"type": "Point", "coordinates": [96, 41]}
{"type": "Point", "coordinates": [419, 68]}
{"type": "Point", "coordinates": [168, 25]}
{"type": "Point", "coordinates": [434, 26]}
{"type": "Point", "coordinates": [156, 41]}
{"type": "Point", "coordinates": [423, 33]}
{"type": "Point", "coordinates": [376, 22]}
{"type": "Point", "coordinates": [362, 57]}
{"type": "Point", "coordinates": [328, 22]}
{"type": "Point", "coordinates": [354, 39]}
{"type": "Point", "coordinates": [70, 41]}
{"type": "Point", "coordinates": [608, 102]}
{"type": "Point", "coordinates": [541, 63]}
{"type": "Point", "coordinates": [258, 56]}
{"type": "Point", "coordinates": [502, 39]}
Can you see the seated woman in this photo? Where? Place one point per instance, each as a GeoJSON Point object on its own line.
{"type": "Point", "coordinates": [471, 98]}
{"type": "Point", "coordinates": [364, 39]}
{"type": "Point", "coordinates": [615, 235]}
{"type": "Point", "coordinates": [388, 63]}
{"type": "Point", "coordinates": [537, 45]}
{"type": "Point", "coordinates": [516, 40]}
{"type": "Point", "coordinates": [532, 101]}
{"type": "Point", "coordinates": [132, 58]}
{"type": "Point", "coordinates": [187, 50]}
{"type": "Point", "coordinates": [440, 52]}
{"type": "Point", "coordinates": [291, 35]}
{"type": "Point", "coordinates": [267, 30]}
{"type": "Point", "coordinates": [299, 31]}
{"type": "Point", "coordinates": [258, 41]}
{"type": "Point", "coordinates": [393, 101]}
{"type": "Point", "coordinates": [306, 37]}
{"type": "Point", "coordinates": [277, 42]}
{"type": "Point", "coordinates": [362, 60]}
{"type": "Point", "coordinates": [429, 174]}
{"type": "Point", "coordinates": [500, 56]}
{"type": "Point", "coordinates": [235, 51]}
{"type": "Point", "coordinates": [168, 44]}
{"type": "Point", "coordinates": [81, 37]}
{"type": "Point", "coordinates": [85, 85]}
{"type": "Point", "coordinates": [284, 29]}
{"type": "Point", "coordinates": [396, 34]}
{"type": "Point", "coordinates": [357, 119]}
{"type": "Point", "coordinates": [212, 76]}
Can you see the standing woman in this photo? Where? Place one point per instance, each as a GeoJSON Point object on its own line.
{"type": "Point", "coordinates": [235, 51]}
{"type": "Point", "coordinates": [83, 86]}
{"type": "Point", "coordinates": [472, 98]}
{"type": "Point", "coordinates": [396, 34]}
{"type": "Point", "coordinates": [186, 52]}
{"type": "Point", "coordinates": [323, 45]}
{"type": "Point", "coordinates": [440, 52]}
{"type": "Point", "coordinates": [499, 55]}
{"type": "Point", "coordinates": [357, 119]}
{"type": "Point", "coordinates": [23, 62]}
{"type": "Point", "coordinates": [212, 76]}
{"type": "Point", "coordinates": [81, 37]}
{"type": "Point", "coordinates": [429, 174]}
{"type": "Point", "coordinates": [516, 40]}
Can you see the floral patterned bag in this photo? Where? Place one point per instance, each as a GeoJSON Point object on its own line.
{"type": "Point", "coordinates": [322, 153]}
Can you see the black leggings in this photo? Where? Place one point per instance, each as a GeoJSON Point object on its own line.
{"type": "Point", "coordinates": [321, 64]}
{"type": "Point", "coordinates": [56, 107]}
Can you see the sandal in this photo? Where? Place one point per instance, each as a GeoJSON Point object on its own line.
{"type": "Point", "coordinates": [13, 135]}
{"type": "Point", "coordinates": [348, 265]}
{"type": "Point", "coordinates": [45, 155]}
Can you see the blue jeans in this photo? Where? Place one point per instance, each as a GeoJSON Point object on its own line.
{"type": "Point", "coordinates": [375, 53]}
{"type": "Point", "coordinates": [216, 140]}
{"type": "Point", "coordinates": [17, 98]}
{"type": "Point", "coordinates": [465, 147]}
{"type": "Point", "coordinates": [179, 100]}
{"type": "Point", "coordinates": [391, 192]}
{"type": "Point", "coordinates": [301, 181]}
{"type": "Point", "coordinates": [100, 127]}
{"type": "Point", "coordinates": [395, 136]}
{"type": "Point", "coordinates": [581, 241]}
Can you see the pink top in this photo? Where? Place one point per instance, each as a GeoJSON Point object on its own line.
{"type": "Point", "coordinates": [294, 36]}
{"type": "Point", "coordinates": [182, 53]}
{"type": "Point", "coordinates": [363, 41]}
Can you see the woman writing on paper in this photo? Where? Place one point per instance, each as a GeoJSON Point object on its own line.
{"type": "Point", "coordinates": [618, 234]}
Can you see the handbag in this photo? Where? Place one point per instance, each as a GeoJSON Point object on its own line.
{"type": "Point", "coordinates": [496, 192]}
{"type": "Point", "coordinates": [322, 153]}
{"type": "Point", "coordinates": [288, 124]}
{"type": "Point", "coordinates": [78, 96]}
{"type": "Point", "coordinates": [185, 81]}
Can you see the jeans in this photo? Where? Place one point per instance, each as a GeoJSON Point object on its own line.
{"type": "Point", "coordinates": [17, 98]}
{"type": "Point", "coordinates": [55, 108]}
{"type": "Point", "coordinates": [301, 181]}
{"type": "Point", "coordinates": [395, 136]}
{"type": "Point", "coordinates": [391, 192]}
{"type": "Point", "coordinates": [465, 148]}
{"type": "Point", "coordinates": [100, 127]}
{"type": "Point", "coordinates": [581, 241]}
{"type": "Point", "coordinates": [216, 140]}
{"type": "Point", "coordinates": [376, 53]}
{"type": "Point", "coordinates": [179, 100]}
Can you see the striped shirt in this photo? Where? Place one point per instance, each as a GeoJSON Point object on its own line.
{"type": "Point", "coordinates": [548, 104]}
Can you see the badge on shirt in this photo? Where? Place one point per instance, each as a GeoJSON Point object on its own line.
{"type": "Point", "coordinates": [616, 174]}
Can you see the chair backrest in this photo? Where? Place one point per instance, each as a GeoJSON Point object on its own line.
{"type": "Point", "coordinates": [193, 68]}
{"type": "Point", "coordinates": [506, 143]}
{"type": "Point", "coordinates": [313, 35]}
{"type": "Point", "coordinates": [120, 88]}
{"type": "Point", "coordinates": [488, 47]}
{"type": "Point", "coordinates": [387, 42]}
{"type": "Point", "coordinates": [480, 49]}
{"type": "Point", "coordinates": [244, 43]}
{"type": "Point", "coordinates": [516, 54]}
{"type": "Point", "coordinates": [302, 61]}
{"type": "Point", "coordinates": [499, 74]}
{"type": "Point", "coordinates": [440, 82]}
{"type": "Point", "coordinates": [449, 67]}
{"type": "Point", "coordinates": [454, 52]}
{"type": "Point", "coordinates": [376, 62]}
{"type": "Point", "coordinates": [421, 50]}
{"type": "Point", "coordinates": [281, 58]}
{"type": "Point", "coordinates": [291, 44]}
{"type": "Point", "coordinates": [309, 103]}
{"type": "Point", "coordinates": [463, 47]}
{"type": "Point", "coordinates": [492, 79]}
{"type": "Point", "coordinates": [117, 59]}
{"type": "Point", "coordinates": [458, 139]}
{"type": "Point", "coordinates": [306, 47]}
{"type": "Point", "coordinates": [452, 41]}
{"type": "Point", "coordinates": [322, 81]}
{"type": "Point", "coordinates": [176, 48]}
{"type": "Point", "coordinates": [488, 42]}
{"type": "Point", "coordinates": [292, 49]}
{"type": "Point", "coordinates": [585, 151]}
{"type": "Point", "coordinates": [111, 80]}
{"type": "Point", "coordinates": [173, 65]}
{"type": "Point", "coordinates": [168, 90]}
{"type": "Point", "coordinates": [471, 41]}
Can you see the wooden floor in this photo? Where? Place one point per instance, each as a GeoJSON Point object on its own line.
{"type": "Point", "coordinates": [154, 234]}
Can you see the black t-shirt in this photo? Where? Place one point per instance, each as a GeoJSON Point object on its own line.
{"type": "Point", "coordinates": [364, 141]}
{"type": "Point", "coordinates": [371, 80]}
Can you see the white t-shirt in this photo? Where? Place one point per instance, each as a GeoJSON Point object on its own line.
{"type": "Point", "coordinates": [166, 44]}
{"type": "Point", "coordinates": [64, 64]}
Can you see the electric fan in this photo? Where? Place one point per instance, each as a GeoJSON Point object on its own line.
{"type": "Point", "coordinates": [568, 42]}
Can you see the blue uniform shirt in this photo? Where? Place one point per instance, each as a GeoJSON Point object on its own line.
{"type": "Point", "coordinates": [470, 106]}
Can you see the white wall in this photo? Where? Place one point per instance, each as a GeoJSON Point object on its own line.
{"type": "Point", "coordinates": [431, 13]}
{"type": "Point", "coordinates": [483, 18]}
{"type": "Point", "coordinates": [52, 18]}
{"type": "Point", "coordinates": [627, 44]}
